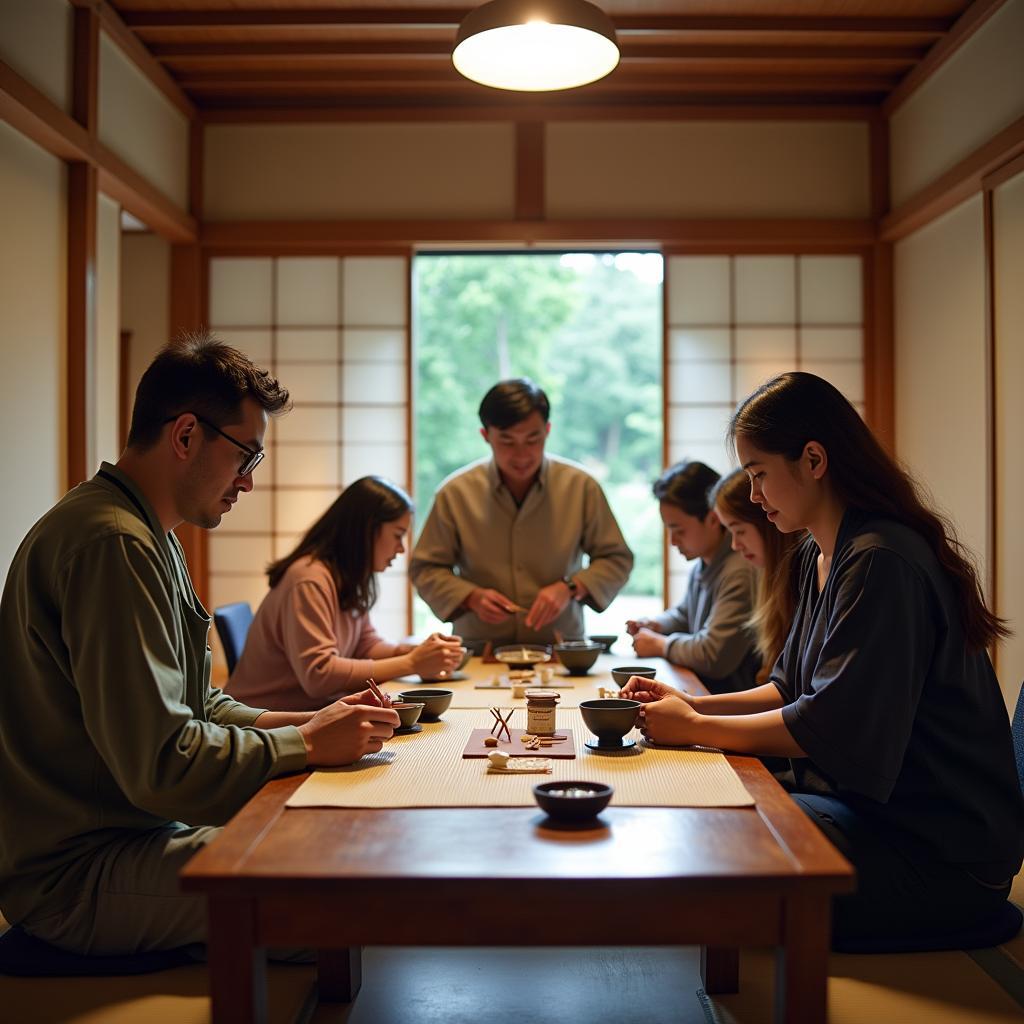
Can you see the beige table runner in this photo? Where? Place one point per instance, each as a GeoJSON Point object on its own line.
{"type": "Point", "coordinates": [427, 769]}
{"type": "Point", "coordinates": [577, 688]}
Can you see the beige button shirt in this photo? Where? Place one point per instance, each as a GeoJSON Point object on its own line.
{"type": "Point", "coordinates": [476, 536]}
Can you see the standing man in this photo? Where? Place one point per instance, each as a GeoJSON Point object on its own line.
{"type": "Point", "coordinates": [117, 759]}
{"type": "Point", "coordinates": [501, 553]}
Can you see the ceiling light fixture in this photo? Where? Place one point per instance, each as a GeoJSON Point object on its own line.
{"type": "Point", "coordinates": [536, 45]}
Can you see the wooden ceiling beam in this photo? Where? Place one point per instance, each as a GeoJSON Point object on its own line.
{"type": "Point", "coordinates": [297, 17]}
{"type": "Point", "coordinates": [180, 52]}
{"type": "Point", "coordinates": [546, 109]}
{"type": "Point", "coordinates": [441, 75]}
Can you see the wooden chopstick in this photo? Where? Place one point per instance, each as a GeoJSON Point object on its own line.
{"type": "Point", "coordinates": [384, 699]}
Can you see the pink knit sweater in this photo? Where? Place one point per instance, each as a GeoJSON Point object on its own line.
{"type": "Point", "coordinates": [303, 651]}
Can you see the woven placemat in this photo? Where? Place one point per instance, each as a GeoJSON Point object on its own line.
{"type": "Point", "coordinates": [427, 770]}
{"type": "Point", "coordinates": [474, 691]}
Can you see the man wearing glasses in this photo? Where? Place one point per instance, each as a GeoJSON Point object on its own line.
{"type": "Point", "coordinates": [118, 761]}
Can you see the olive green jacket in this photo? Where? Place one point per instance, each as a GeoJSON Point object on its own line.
{"type": "Point", "coordinates": [108, 722]}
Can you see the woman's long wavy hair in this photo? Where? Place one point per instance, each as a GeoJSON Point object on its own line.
{"type": "Point", "coordinates": [776, 588]}
{"type": "Point", "coordinates": [343, 538]}
{"type": "Point", "coordinates": [780, 417]}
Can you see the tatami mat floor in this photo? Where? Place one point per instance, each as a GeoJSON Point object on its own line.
{"type": "Point", "coordinates": [550, 986]}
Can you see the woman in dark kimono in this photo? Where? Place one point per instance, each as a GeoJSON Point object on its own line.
{"type": "Point", "coordinates": [884, 696]}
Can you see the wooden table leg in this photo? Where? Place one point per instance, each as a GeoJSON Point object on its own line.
{"type": "Point", "coordinates": [339, 973]}
{"type": "Point", "coordinates": [237, 967]}
{"type": "Point", "coordinates": [801, 962]}
{"type": "Point", "coordinates": [720, 970]}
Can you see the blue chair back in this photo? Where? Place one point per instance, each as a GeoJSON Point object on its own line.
{"type": "Point", "coordinates": [1018, 735]}
{"type": "Point", "coordinates": [233, 622]}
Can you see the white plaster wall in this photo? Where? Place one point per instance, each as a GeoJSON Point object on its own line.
{"type": "Point", "coordinates": [975, 94]}
{"type": "Point", "coordinates": [358, 171]}
{"type": "Point", "coordinates": [145, 298]}
{"type": "Point", "coordinates": [141, 125]}
{"type": "Point", "coordinates": [707, 169]}
{"type": "Point", "coordinates": [1008, 216]}
{"type": "Point", "coordinates": [105, 432]}
{"type": "Point", "coordinates": [36, 40]}
{"type": "Point", "coordinates": [33, 313]}
{"type": "Point", "coordinates": [941, 401]}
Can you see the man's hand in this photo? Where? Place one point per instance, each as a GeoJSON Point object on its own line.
{"type": "Point", "coordinates": [342, 732]}
{"type": "Point", "coordinates": [549, 603]}
{"type": "Point", "coordinates": [491, 605]}
{"type": "Point", "coordinates": [648, 644]}
{"type": "Point", "coordinates": [633, 626]}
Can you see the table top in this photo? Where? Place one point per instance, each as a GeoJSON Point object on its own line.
{"type": "Point", "coordinates": [471, 687]}
{"type": "Point", "coordinates": [268, 849]}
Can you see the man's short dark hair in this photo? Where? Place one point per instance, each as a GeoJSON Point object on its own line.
{"type": "Point", "coordinates": [686, 485]}
{"type": "Point", "coordinates": [511, 401]}
{"type": "Point", "coordinates": [197, 373]}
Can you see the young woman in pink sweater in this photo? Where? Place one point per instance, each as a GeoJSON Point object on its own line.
{"type": "Point", "coordinates": [312, 640]}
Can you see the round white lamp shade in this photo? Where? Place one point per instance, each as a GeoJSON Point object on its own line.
{"type": "Point", "coordinates": [536, 45]}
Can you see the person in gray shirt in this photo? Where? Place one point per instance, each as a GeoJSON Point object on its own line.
{"type": "Point", "coordinates": [709, 631]}
{"type": "Point", "coordinates": [501, 553]}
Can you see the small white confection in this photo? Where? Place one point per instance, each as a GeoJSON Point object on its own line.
{"type": "Point", "coordinates": [499, 758]}
{"type": "Point", "coordinates": [496, 681]}
{"type": "Point", "coordinates": [519, 689]}
{"type": "Point", "coordinates": [546, 675]}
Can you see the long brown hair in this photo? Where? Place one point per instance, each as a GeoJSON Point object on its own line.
{"type": "Point", "coordinates": [343, 538]}
{"type": "Point", "coordinates": [780, 417]}
{"type": "Point", "coordinates": [776, 589]}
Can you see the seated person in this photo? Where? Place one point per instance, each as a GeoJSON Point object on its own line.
{"type": "Point", "coordinates": [771, 553]}
{"type": "Point", "coordinates": [707, 632]}
{"type": "Point", "coordinates": [884, 696]}
{"type": "Point", "coordinates": [501, 553]}
{"type": "Point", "coordinates": [118, 760]}
{"type": "Point", "coordinates": [312, 639]}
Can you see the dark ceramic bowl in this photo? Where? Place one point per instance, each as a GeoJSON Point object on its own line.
{"type": "Point", "coordinates": [572, 801]}
{"type": "Point", "coordinates": [609, 720]}
{"type": "Point", "coordinates": [522, 655]}
{"type": "Point", "coordinates": [621, 675]}
{"type": "Point", "coordinates": [435, 702]}
{"type": "Point", "coordinates": [578, 656]}
{"type": "Point", "coordinates": [408, 712]}
{"type": "Point", "coordinates": [605, 640]}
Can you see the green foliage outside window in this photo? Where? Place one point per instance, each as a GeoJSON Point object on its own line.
{"type": "Point", "coordinates": [587, 328]}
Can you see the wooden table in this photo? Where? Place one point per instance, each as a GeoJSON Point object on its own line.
{"type": "Point", "coordinates": [720, 878]}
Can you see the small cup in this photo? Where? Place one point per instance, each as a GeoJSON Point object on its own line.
{"type": "Point", "coordinates": [408, 713]}
{"type": "Point", "coordinates": [610, 720]}
{"type": "Point", "coordinates": [621, 675]}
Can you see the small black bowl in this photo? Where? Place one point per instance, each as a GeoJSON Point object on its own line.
{"type": "Point", "coordinates": [605, 640]}
{"type": "Point", "coordinates": [622, 674]}
{"type": "Point", "coordinates": [435, 702]}
{"type": "Point", "coordinates": [578, 656]}
{"type": "Point", "coordinates": [588, 799]}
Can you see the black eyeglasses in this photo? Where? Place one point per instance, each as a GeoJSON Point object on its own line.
{"type": "Point", "coordinates": [252, 457]}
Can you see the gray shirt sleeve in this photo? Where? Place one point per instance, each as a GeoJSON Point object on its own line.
{"type": "Point", "coordinates": [719, 645]}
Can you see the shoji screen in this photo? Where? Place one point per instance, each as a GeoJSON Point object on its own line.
{"type": "Point", "coordinates": [735, 321]}
{"type": "Point", "coordinates": [335, 331]}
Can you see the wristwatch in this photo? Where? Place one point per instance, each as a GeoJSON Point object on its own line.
{"type": "Point", "coordinates": [572, 585]}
